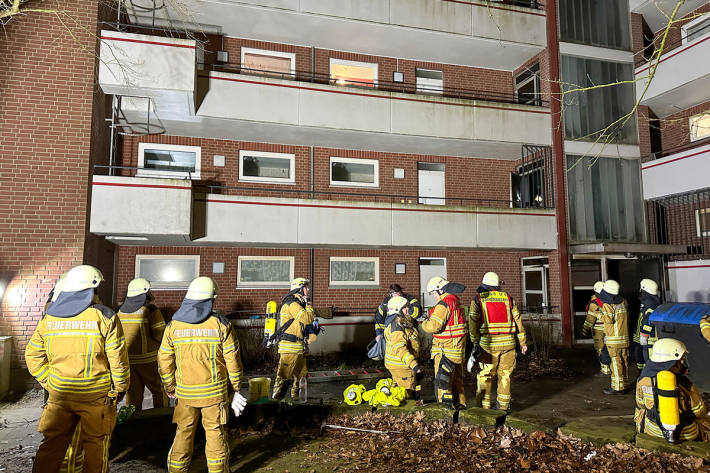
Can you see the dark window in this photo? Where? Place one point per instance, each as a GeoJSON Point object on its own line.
{"type": "Point", "coordinates": [527, 85]}
{"type": "Point", "coordinates": [596, 23]}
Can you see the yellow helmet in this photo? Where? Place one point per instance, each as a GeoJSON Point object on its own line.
{"type": "Point", "coordinates": [299, 283]}
{"type": "Point", "coordinates": [436, 284]}
{"type": "Point", "coordinates": [611, 287]}
{"type": "Point", "coordinates": [668, 349]}
{"type": "Point", "coordinates": [491, 279]}
{"type": "Point", "coordinates": [598, 286]}
{"type": "Point", "coordinates": [353, 394]}
{"type": "Point", "coordinates": [201, 289]}
{"type": "Point", "coordinates": [650, 286]}
{"type": "Point", "coordinates": [395, 304]}
{"type": "Point", "coordinates": [59, 286]}
{"type": "Point", "coordinates": [137, 287]}
{"type": "Point", "coordinates": [82, 277]}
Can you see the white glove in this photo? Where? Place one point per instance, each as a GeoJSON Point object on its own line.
{"type": "Point", "coordinates": [471, 362]}
{"type": "Point", "coordinates": [239, 402]}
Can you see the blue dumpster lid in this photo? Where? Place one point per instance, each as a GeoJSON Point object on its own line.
{"type": "Point", "coordinates": [680, 313]}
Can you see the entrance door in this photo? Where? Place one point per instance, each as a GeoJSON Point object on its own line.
{"type": "Point", "coordinates": [431, 183]}
{"type": "Point", "coordinates": [428, 268]}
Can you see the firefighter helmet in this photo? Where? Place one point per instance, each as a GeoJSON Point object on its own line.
{"type": "Point", "coordinates": [137, 287]}
{"type": "Point", "coordinates": [298, 283]}
{"type": "Point", "coordinates": [436, 283]}
{"type": "Point", "coordinates": [598, 286]}
{"type": "Point", "coordinates": [201, 289]}
{"type": "Point", "coordinates": [611, 287]}
{"type": "Point", "coordinates": [491, 279]}
{"type": "Point", "coordinates": [668, 349]}
{"type": "Point", "coordinates": [59, 286]}
{"type": "Point", "coordinates": [396, 304]}
{"type": "Point", "coordinates": [650, 286]}
{"type": "Point", "coordinates": [82, 277]}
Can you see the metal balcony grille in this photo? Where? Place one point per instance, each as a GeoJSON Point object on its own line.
{"type": "Point", "coordinates": [682, 220]}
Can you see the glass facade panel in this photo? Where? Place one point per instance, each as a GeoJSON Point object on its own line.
{"type": "Point", "coordinates": [596, 23]}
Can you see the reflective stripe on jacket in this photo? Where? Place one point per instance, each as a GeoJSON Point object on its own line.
{"type": "Point", "coordinates": [402, 346]}
{"type": "Point", "coordinates": [616, 328]}
{"type": "Point", "coordinates": [705, 327]}
{"type": "Point", "coordinates": [381, 312]}
{"type": "Point", "coordinates": [302, 315]}
{"type": "Point", "coordinates": [447, 325]}
{"type": "Point", "coordinates": [81, 357]}
{"type": "Point", "coordinates": [593, 320]}
{"type": "Point", "coordinates": [494, 321]}
{"type": "Point", "coordinates": [143, 330]}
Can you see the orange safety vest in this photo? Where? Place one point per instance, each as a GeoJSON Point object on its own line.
{"type": "Point", "coordinates": [456, 324]}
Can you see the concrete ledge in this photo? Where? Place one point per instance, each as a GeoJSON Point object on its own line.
{"type": "Point", "coordinates": [602, 430]}
{"type": "Point", "coordinates": [480, 416]}
{"type": "Point", "coordinates": [657, 444]}
{"type": "Point", "coordinates": [530, 423]}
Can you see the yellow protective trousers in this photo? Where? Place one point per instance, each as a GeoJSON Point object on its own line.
{"type": "Point", "coordinates": [619, 368]}
{"type": "Point", "coordinates": [58, 423]}
{"type": "Point", "coordinates": [598, 339]}
{"type": "Point", "coordinates": [214, 421]}
{"type": "Point", "coordinates": [495, 365]}
{"type": "Point", "coordinates": [456, 389]}
{"type": "Point", "coordinates": [145, 375]}
{"type": "Point", "coordinates": [74, 459]}
{"type": "Point", "coordinates": [292, 367]}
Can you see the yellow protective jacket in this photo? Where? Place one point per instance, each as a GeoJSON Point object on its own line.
{"type": "Point", "coordinates": [402, 346]}
{"type": "Point", "coordinates": [690, 401]}
{"type": "Point", "coordinates": [301, 314]}
{"type": "Point", "coordinates": [447, 325]}
{"type": "Point", "coordinates": [415, 310]}
{"type": "Point", "coordinates": [616, 324]}
{"type": "Point", "coordinates": [197, 361]}
{"type": "Point", "coordinates": [494, 322]}
{"type": "Point", "coordinates": [81, 357]}
{"type": "Point", "coordinates": [705, 327]}
{"type": "Point", "coordinates": [594, 315]}
{"type": "Point", "coordinates": [143, 330]}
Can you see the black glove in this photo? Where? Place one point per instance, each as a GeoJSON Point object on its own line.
{"type": "Point", "coordinates": [120, 397]}
{"type": "Point", "coordinates": [418, 374]}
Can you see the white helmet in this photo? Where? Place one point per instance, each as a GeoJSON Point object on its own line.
{"type": "Point", "coordinates": [82, 277]}
{"type": "Point", "coordinates": [598, 286]}
{"type": "Point", "coordinates": [395, 304]}
{"type": "Point", "coordinates": [668, 349]}
{"type": "Point", "coordinates": [299, 283]}
{"type": "Point", "coordinates": [137, 287]}
{"type": "Point", "coordinates": [201, 289]}
{"type": "Point", "coordinates": [436, 283]}
{"type": "Point", "coordinates": [491, 279]}
{"type": "Point", "coordinates": [611, 287]}
{"type": "Point", "coordinates": [59, 286]}
{"type": "Point", "coordinates": [650, 286]}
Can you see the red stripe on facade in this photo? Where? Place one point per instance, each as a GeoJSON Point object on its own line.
{"type": "Point", "coordinates": [156, 186]}
{"type": "Point", "coordinates": [689, 266]}
{"type": "Point", "coordinates": [495, 7]}
{"type": "Point", "coordinates": [679, 158]}
{"type": "Point", "coordinates": [674, 54]}
{"type": "Point", "coordinates": [142, 41]}
{"type": "Point", "coordinates": [360, 94]}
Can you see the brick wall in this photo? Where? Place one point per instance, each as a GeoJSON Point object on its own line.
{"type": "Point", "coordinates": [46, 100]}
{"type": "Point", "coordinates": [675, 34]}
{"type": "Point", "coordinates": [675, 129]}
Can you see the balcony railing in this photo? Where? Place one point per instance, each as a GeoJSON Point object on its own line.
{"type": "Point", "coordinates": [679, 149]}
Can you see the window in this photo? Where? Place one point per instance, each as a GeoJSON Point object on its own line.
{"type": "Point", "coordinates": [527, 85]}
{"type": "Point", "coordinates": [168, 271]}
{"type": "Point", "coordinates": [588, 113]}
{"type": "Point", "coordinates": [354, 271]}
{"type": "Point", "coordinates": [528, 185]}
{"type": "Point", "coordinates": [344, 72]}
{"type": "Point", "coordinates": [702, 222]}
{"type": "Point", "coordinates": [259, 61]}
{"type": "Point", "coordinates": [430, 82]}
{"type": "Point", "coordinates": [696, 28]}
{"type": "Point", "coordinates": [603, 24]}
{"type": "Point", "coordinates": [264, 271]}
{"type": "Point", "coordinates": [266, 167]}
{"type": "Point", "coordinates": [160, 160]}
{"type": "Point", "coordinates": [354, 172]}
{"type": "Point", "coordinates": [535, 284]}
{"type": "Point", "coordinates": [700, 126]}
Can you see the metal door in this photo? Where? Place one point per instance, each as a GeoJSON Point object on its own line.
{"type": "Point", "coordinates": [431, 183]}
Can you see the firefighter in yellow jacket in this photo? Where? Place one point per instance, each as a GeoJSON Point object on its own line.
{"type": "Point", "coordinates": [494, 324]}
{"type": "Point", "coordinates": [78, 353]}
{"type": "Point", "coordinates": [402, 347]}
{"type": "Point", "coordinates": [447, 325]}
{"type": "Point", "coordinates": [615, 315]}
{"type": "Point", "coordinates": [296, 331]}
{"type": "Point", "coordinates": [645, 334]}
{"type": "Point", "coordinates": [198, 359]}
{"type": "Point", "coordinates": [705, 327]}
{"type": "Point", "coordinates": [593, 323]}
{"type": "Point", "coordinates": [667, 403]}
{"type": "Point", "coordinates": [143, 326]}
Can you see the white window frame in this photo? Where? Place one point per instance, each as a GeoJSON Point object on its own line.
{"type": "Point", "coordinates": [690, 127]}
{"type": "Point", "coordinates": [684, 29]}
{"type": "Point", "coordinates": [178, 285]}
{"type": "Point", "coordinates": [142, 172]}
{"type": "Point", "coordinates": [426, 88]}
{"type": "Point", "coordinates": [698, 229]}
{"type": "Point", "coordinates": [264, 154]}
{"type": "Point", "coordinates": [345, 62]}
{"type": "Point", "coordinates": [268, 52]}
{"type": "Point", "coordinates": [374, 259]}
{"type": "Point", "coordinates": [265, 284]}
{"type": "Point", "coordinates": [338, 159]}
{"type": "Point", "coordinates": [544, 272]}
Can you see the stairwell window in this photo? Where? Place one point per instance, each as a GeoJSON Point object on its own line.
{"type": "Point", "coordinates": [700, 126]}
{"type": "Point", "coordinates": [168, 271]}
{"type": "Point", "coordinates": [169, 161]}
{"type": "Point", "coordinates": [354, 172]}
{"type": "Point", "coordinates": [702, 222]}
{"type": "Point", "coordinates": [258, 166]}
{"type": "Point", "coordinates": [354, 271]}
{"type": "Point", "coordinates": [264, 271]}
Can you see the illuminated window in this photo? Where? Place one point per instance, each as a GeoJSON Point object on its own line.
{"type": "Point", "coordinates": [264, 271]}
{"type": "Point", "coordinates": [260, 61]}
{"type": "Point", "coordinates": [344, 72]}
{"type": "Point", "coordinates": [168, 271]}
{"type": "Point", "coordinates": [700, 126]}
{"type": "Point", "coordinates": [354, 271]}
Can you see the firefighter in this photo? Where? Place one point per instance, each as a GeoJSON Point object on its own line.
{"type": "Point", "coordinates": [645, 334]}
{"type": "Point", "coordinates": [616, 336]}
{"type": "Point", "coordinates": [594, 324]}
{"type": "Point", "coordinates": [78, 353]}
{"type": "Point", "coordinates": [296, 316]}
{"type": "Point", "coordinates": [447, 325]}
{"type": "Point", "coordinates": [381, 313]}
{"type": "Point", "coordinates": [402, 349]}
{"type": "Point", "coordinates": [143, 326]}
{"type": "Point", "coordinates": [197, 360]}
{"type": "Point", "coordinates": [667, 403]}
{"type": "Point", "coordinates": [495, 323]}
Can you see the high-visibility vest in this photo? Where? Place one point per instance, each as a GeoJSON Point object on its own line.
{"type": "Point", "coordinates": [456, 324]}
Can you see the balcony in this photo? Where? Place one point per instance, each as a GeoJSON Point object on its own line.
{"type": "Point", "coordinates": [682, 78]}
{"type": "Point", "coordinates": [217, 216]}
{"type": "Point", "coordinates": [503, 36]}
{"type": "Point", "coordinates": [657, 12]}
{"type": "Point", "coordinates": [678, 173]}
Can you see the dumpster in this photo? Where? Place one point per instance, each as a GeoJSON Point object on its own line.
{"type": "Point", "coordinates": [682, 322]}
